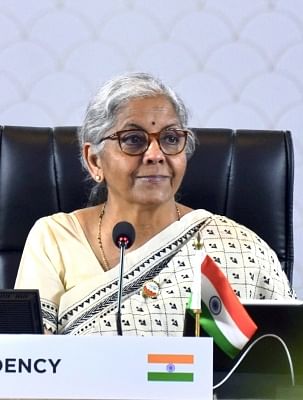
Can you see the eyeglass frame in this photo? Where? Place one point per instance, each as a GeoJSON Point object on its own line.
{"type": "Point", "coordinates": [151, 135]}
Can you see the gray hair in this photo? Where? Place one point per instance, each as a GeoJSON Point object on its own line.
{"type": "Point", "coordinates": [104, 107]}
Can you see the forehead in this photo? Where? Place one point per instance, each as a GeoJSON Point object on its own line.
{"type": "Point", "coordinates": [147, 108]}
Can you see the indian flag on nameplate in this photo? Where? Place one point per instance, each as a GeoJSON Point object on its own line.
{"type": "Point", "coordinates": [170, 367]}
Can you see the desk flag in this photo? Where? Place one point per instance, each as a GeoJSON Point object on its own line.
{"type": "Point", "coordinates": [223, 316]}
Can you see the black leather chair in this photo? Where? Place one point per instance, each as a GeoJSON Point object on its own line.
{"type": "Point", "coordinates": [244, 174]}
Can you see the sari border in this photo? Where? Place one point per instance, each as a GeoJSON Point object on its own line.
{"type": "Point", "coordinates": [105, 306]}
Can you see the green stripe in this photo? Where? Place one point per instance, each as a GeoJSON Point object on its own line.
{"type": "Point", "coordinates": [170, 376]}
{"type": "Point", "coordinates": [208, 323]}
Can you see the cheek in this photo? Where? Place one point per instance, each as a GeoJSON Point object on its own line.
{"type": "Point", "coordinates": [183, 163]}
{"type": "Point", "coordinates": [180, 168]}
{"type": "Point", "coordinates": [117, 168]}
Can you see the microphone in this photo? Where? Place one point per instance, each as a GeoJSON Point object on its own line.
{"type": "Point", "coordinates": [124, 234]}
{"type": "Point", "coordinates": [123, 237]}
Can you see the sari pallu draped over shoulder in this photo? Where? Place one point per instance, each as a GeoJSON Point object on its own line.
{"type": "Point", "coordinates": [79, 298]}
{"type": "Point", "coordinates": [164, 260]}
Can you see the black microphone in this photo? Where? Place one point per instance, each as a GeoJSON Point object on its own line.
{"type": "Point", "coordinates": [123, 237]}
{"type": "Point", "coordinates": [124, 234]}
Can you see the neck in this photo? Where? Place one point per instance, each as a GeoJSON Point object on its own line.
{"type": "Point", "coordinates": [147, 220]}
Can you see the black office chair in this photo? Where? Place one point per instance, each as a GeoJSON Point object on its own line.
{"type": "Point", "coordinates": [246, 175]}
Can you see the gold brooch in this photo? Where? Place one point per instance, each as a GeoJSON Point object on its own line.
{"type": "Point", "coordinates": [150, 289]}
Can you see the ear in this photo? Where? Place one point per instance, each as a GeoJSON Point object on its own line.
{"type": "Point", "coordinates": [93, 162]}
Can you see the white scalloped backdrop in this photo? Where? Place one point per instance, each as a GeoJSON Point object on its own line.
{"type": "Point", "coordinates": [237, 63]}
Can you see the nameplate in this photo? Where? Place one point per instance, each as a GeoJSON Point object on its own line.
{"type": "Point", "coordinates": [105, 367]}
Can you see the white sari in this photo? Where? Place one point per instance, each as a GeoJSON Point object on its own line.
{"type": "Point", "coordinates": [79, 298]}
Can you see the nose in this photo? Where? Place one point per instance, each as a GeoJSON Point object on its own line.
{"type": "Point", "coordinates": [153, 153]}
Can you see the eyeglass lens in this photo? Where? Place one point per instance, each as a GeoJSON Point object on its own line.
{"type": "Point", "coordinates": [137, 142]}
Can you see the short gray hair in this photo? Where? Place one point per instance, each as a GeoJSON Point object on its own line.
{"type": "Point", "coordinates": [104, 107]}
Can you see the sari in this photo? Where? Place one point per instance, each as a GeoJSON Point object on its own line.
{"type": "Point", "coordinates": [78, 297]}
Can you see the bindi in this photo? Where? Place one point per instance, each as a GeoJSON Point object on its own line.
{"type": "Point", "coordinates": [153, 123]}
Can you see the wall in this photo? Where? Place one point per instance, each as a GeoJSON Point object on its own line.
{"type": "Point", "coordinates": [237, 63]}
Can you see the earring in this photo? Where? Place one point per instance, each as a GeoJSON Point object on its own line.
{"type": "Point", "coordinates": [98, 178]}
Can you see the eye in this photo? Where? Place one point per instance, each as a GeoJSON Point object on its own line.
{"type": "Point", "coordinates": [170, 137]}
{"type": "Point", "coordinates": [133, 138]}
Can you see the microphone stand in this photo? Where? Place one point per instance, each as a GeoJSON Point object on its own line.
{"type": "Point", "coordinates": [122, 246]}
{"type": "Point", "coordinates": [123, 237]}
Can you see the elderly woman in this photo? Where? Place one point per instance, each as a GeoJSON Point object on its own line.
{"type": "Point", "coordinates": [135, 143]}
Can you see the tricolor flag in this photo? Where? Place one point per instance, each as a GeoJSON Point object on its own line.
{"type": "Point", "coordinates": [170, 367]}
{"type": "Point", "coordinates": [223, 316]}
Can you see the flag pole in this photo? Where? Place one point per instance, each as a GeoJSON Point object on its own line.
{"type": "Point", "coordinates": [197, 322]}
{"type": "Point", "coordinates": [196, 289]}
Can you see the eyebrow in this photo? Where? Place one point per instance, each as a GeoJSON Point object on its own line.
{"type": "Point", "coordinates": [132, 125]}
{"type": "Point", "coordinates": [135, 126]}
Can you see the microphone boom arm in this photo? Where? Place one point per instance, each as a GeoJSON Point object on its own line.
{"type": "Point", "coordinates": [123, 237]}
{"type": "Point", "coordinates": [121, 267]}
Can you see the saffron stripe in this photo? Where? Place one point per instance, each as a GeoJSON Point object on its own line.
{"type": "Point", "coordinates": [170, 377]}
{"type": "Point", "coordinates": [170, 358]}
{"type": "Point", "coordinates": [210, 326]}
{"type": "Point", "coordinates": [228, 297]}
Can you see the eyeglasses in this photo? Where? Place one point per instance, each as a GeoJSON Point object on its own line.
{"type": "Point", "coordinates": [135, 142]}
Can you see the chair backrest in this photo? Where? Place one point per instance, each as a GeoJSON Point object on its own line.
{"type": "Point", "coordinates": [244, 174]}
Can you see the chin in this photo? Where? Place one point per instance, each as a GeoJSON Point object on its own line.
{"type": "Point", "coordinates": [155, 197]}
{"type": "Point", "coordinates": [154, 201]}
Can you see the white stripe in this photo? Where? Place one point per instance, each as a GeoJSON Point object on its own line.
{"type": "Point", "coordinates": [223, 320]}
{"type": "Point", "coordinates": [162, 367]}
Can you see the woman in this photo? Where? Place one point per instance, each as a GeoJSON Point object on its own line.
{"type": "Point", "coordinates": [135, 143]}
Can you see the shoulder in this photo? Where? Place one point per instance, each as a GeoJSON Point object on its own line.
{"type": "Point", "coordinates": [222, 234]}
{"type": "Point", "coordinates": [53, 226]}
{"type": "Point", "coordinates": [57, 219]}
{"type": "Point", "coordinates": [215, 223]}
{"type": "Point", "coordinates": [235, 244]}
{"type": "Point", "coordinates": [215, 226]}
{"type": "Point", "coordinates": [189, 214]}
{"type": "Point", "coordinates": [224, 227]}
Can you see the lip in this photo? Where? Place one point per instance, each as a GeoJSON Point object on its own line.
{"type": "Point", "coordinates": [153, 178]}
